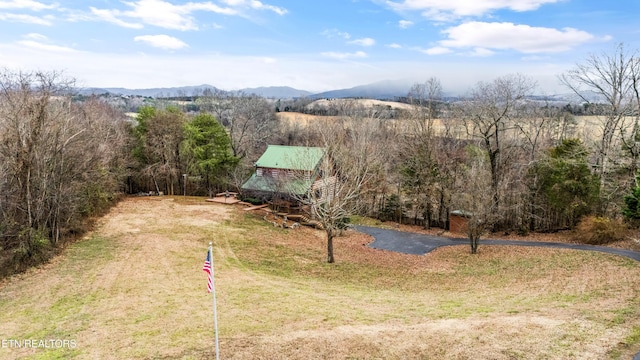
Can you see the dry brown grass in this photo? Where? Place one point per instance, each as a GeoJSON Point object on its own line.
{"type": "Point", "coordinates": [304, 120]}
{"type": "Point", "coordinates": [337, 103]}
{"type": "Point", "coordinates": [134, 289]}
{"type": "Point", "coordinates": [588, 128]}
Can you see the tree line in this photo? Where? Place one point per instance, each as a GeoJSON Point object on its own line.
{"type": "Point", "coordinates": [506, 160]}
{"type": "Point", "coordinates": [60, 162]}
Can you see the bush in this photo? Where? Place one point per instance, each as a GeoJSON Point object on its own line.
{"type": "Point", "coordinates": [392, 210]}
{"type": "Point", "coordinates": [596, 230]}
{"type": "Point", "coordinates": [343, 222]}
{"type": "Point", "coordinates": [251, 200]}
{"type": "Point", "coordinates": [631, 209]}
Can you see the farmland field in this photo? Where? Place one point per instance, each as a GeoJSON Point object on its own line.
{"type": "Point", "coordinates": [134, 289]}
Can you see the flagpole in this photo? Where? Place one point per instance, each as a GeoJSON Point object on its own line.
{"type": "Point", "coordinates": [213, 291]}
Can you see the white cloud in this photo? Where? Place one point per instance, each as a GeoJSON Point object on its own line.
{"type": "Point", "coordinates": [481, 52]}
{"type": "Point", "coordinates": [26, 4]}
{"type": "Point", "coordinates": [535, 58]}
{"type": "Point", "coordinates": [437, 50]}
{"type": "Point", "coordinates": [333, 33]}
{"type": "Point", "coordinates": [403, 24]}
{"type": "Point", "coordinates": [162, 41]}
{"type": "Point", "coordinates": [344, 56]}
{"type": "Point", "coordinates": [190, 7]}
{"type": "Point", "coordinates": [446, 10]}
{"type": "Point", "coordinates": [394, 46]}
{"type": "Point", "coordinates": [256, 5]}
{"type": "Point", "coordinates": [35, 36]}
{"type": "Point", "coordinates": [166, 15]}
{"type": "Point", "coordinates": [508, 36]}
{"type": "Point", "coordinates": [268, 60]}
{"type": "Point", "coordinates": [260, 6]}
{"type": "Point", "coordinates": [157, 13]}
{"type": "Point", "coordinates": [309, 72]}
{"type": "Point", "coordinates": [41, 42]}
{"type": "Point", "coordinates": [363, 42]}
{"type": "Point", "coordinates": [49, 48]}
{"type": "Point", "coordinates": [112, 17]}
{"type": "Point", "coordinates": [28, 19]}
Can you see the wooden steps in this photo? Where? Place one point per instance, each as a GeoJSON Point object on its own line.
{"type": "Point", "coordinates": [256, 207]}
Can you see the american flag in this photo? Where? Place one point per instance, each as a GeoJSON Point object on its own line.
{"type": "Point", "coordinates": [207, 268]}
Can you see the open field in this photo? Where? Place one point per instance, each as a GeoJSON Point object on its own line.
{"type": "Point", "coordinates": [587, 128]}
{"type": "Point", "coordinates": [304, 120]}
{"type": "Point", "coordinates": [359, 102]}
{"type": "Point", "coordinates": [134, 289]}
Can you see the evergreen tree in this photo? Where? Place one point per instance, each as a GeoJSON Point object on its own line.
{"type": "Point", "coordinates": [566, 183]}
{"type": "Point", "coordinates": [209, 148]}
{"type": "Point", "coordinates": [631, 210]}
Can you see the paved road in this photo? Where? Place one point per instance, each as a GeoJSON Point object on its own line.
{"type": "Point", "coordinates": [420, 244]}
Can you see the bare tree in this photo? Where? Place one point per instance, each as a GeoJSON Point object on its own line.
{"type": "Point", "coordinates": [418, 165]}
{"type": "Point", "coordinates": [475, 199]}
{"type": "Point", "coordinates": [631, 133]}
{"type": "Point", "coordinates": [160, 133]}
{"type": "Point", "coordinates": [612, 78]}
{"type": "Point", "coordinates": [250, 120]}
{"type": "Point", "coordinates": [426, 99]}
{"type": "Point", "coordinates": [490, 115]}
{"type": "Point", "coordinates": [347, 172]}
{"type": "Point", "coordinates": [59, 159]}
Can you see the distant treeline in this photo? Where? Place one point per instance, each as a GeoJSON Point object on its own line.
{"type": "Point", "coordinates": [507, 160]}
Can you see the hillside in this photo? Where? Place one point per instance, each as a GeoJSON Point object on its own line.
{"type": "Point", "coordinates": [134, 289]}
{"type": "Point", "coordinates": [367, 103]}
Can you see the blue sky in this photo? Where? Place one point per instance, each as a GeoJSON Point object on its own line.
{"type": "Point", "coordinates": [310, 45]}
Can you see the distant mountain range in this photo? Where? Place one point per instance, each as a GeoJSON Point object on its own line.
{"type": "Point", "coordinates": [277, 92]}
{"type": "Point", "coordinates": [382, 90]}
{"type": "Point", "coordinates": [153, 92]}
{"type": "Point", "coordinates": [379, 90]}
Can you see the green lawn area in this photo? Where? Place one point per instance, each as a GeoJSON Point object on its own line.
{"type": "Point", "coordinates": [135, 289]}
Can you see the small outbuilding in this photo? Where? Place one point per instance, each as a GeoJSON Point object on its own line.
{"type": "Point", "coordinates": [458, 221]}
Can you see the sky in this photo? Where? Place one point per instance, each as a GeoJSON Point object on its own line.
{"type": "Point", "coordinates": [310, 45]}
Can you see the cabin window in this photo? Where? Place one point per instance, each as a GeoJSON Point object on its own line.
{"type": "Point", "coordinates": [259, 172]}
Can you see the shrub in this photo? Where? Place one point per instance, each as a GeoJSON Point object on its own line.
{"type": "Point", "coordinates": [251, 200]}
{"type": "Point", "coordinates": [631, 209]}
{"type": "Point", "coordinates": [392, 210]}
{"type": "Point", "coordinates": [596, 230]}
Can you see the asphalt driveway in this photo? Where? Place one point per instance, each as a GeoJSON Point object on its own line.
{"type": "Point", "coordinates": [420, 244]}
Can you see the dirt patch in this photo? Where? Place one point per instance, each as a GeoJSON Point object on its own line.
{"type": "Point", "coordinates": [133, 214]}
{"type": "Point", "coordinates": [443, 339]}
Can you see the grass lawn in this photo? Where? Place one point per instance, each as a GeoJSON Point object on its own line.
{"type": "Point", "coordinates": [135, 289]}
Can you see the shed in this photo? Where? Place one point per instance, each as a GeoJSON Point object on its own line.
{"type": "Point", "coordinates": [458, 221]}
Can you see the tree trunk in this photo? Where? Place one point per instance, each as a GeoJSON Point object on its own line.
{"type": "Point", "coordinates": [330, 258]}
{"type": "Point", "coordinates": [474, 243]}
{"type": "Point", "coordinates": [428, 214]}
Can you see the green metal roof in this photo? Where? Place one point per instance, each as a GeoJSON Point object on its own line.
{"type": "Point", "coordinates": [291, 157]}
